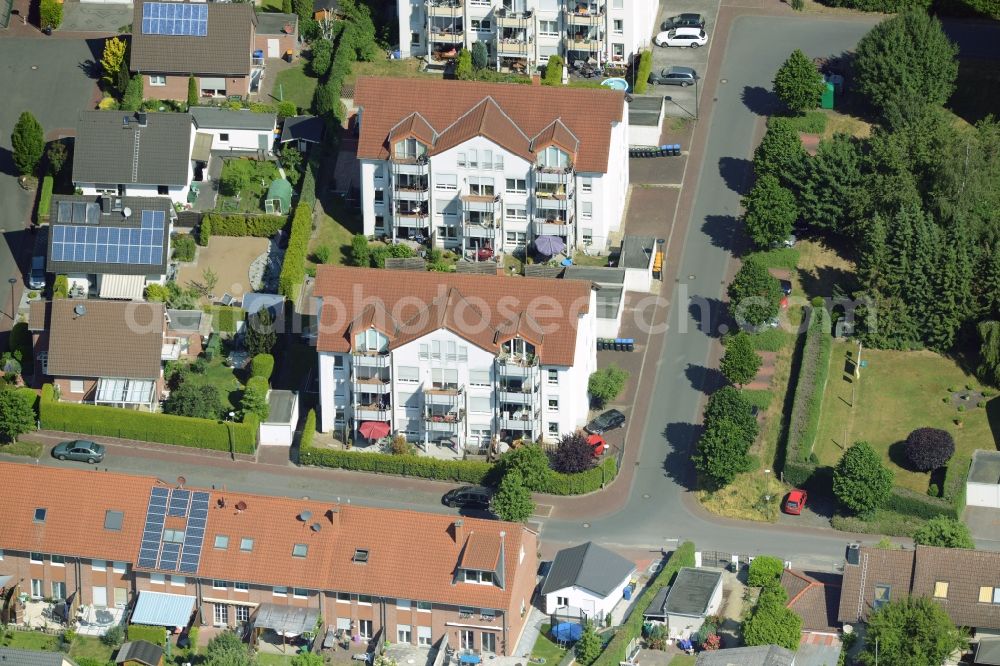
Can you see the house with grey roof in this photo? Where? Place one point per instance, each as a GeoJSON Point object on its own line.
{"type": "Point", "coordinates": [586, 580]}
{"type": "Point", "coordinates": [16, 657]}
{"type": "Point", "coordinates": [110, 244]}
{"type": "Point", "coordinates": [683, 606]}
{"type": "Point", "coordinates": [138, 154]}
{"type": "Point", "coordinates": [234, 131]}
{"type": "Point", "coordinates": [303, 132]}
{"type": "Point", "coordinates": [213, 42]}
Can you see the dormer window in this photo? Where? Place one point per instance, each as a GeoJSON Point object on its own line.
{"type": "Point", "coordinates": [409, 149]}
{"type": "Point", "coordinates": [370, 341]}
{"type": "Point", "coordinates": [519, 350]}
{"type": "Point", "coordinates": [553, 157]}
{"type": "Point", "coordinates": [480, 577]}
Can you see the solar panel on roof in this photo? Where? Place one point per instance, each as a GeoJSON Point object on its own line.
{"type": "Point", "coordinates": [152, 532]}
{"type": "Point", "coordinates": [179, 499]}
{"type": "Point", "coordinates": [169, 556]}
{"type": "Point", "coordinates": [174, 18]}
{"type": "Point", "coordinates": [112, 245]}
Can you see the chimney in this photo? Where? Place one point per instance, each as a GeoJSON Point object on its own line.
{"type": "Point", "coordinates": [334, 515]}
{"type": "Point", "coordinates": [105, 204]}
{"type": "Point", "coordinates": [141, 118]}
{"type": "Point", "coordinates": [459, 532]}
{"type": "Point", "coordinates": [536, 79]}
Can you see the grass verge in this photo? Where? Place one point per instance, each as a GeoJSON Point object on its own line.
{"type": "Point", "coordinates": [545, 649]}
{"type": "Point", "coordinates": [337, 223]}
{"type": "Point", "coordinates": [90, 647]}
{"type": "Point", "coordinates": [293, 84]}
{"type": "Point", "coordinates": [27, 449]}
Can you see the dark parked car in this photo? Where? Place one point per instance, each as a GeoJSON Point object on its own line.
{"type": "Point", "coordinates": [674, 76]}
{"type": "Point", "coordinates": [786, 287]}
{"type": "Point", "coordinates": [468, 497]}
{"type": "Point", "coordinates": [79, 449]}
{"type": "Point", "coordinates": [609, 420]}
{"type": "Point", "coordinates": [683, 21]}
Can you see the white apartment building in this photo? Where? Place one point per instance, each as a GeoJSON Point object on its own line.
{"type": "Point", "coordinates": [456, 358]}
{"type": "Point", "coordinates": [522, 34]}
{"type": "Point", "coordinates": [476, 166]}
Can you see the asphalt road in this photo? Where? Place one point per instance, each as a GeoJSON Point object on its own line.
{"type": "Point", "coordinates": [48, 77]}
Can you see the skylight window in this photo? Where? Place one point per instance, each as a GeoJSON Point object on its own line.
{"type": "Point", "coordinates": [40, 514]}
{"type": "Point", "coordinates": [246, 544]}
{"type": "Point", "coordinates": [300, 550]}
{"type": "Point", "coordinates": [361, 555]}
{"type": "Point", "coordinates": [113, 520]}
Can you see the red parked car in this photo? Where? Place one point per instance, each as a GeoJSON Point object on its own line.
{"type": "Point", "coordinates": [598, 444]}
{"type": "Point", "coordinates": [795, 502]}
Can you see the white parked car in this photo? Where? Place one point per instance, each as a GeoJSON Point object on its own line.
{"type": "Point", "coordinates": [685, 36]}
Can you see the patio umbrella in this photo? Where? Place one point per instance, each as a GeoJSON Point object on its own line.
{"type": "Point", "coordinates": [374, 429]}
{"type": "Point", "coordinates": [549, 245]}
{"type": "Point", "coordinates": [567, 631]}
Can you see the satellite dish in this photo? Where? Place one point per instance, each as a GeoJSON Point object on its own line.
{"type": "Point", "coordinates": [80, 310]}
{"type": "Point", "coordinates": [241, 506]}
{"type": "Point", "coordinates": [316, 527]}
{"type": "Point", "coordinates": [305, 516]}
{"type": "Point", "coordinates": [126, 211]}
{"type": "Point", "coordinates": [181, 481]}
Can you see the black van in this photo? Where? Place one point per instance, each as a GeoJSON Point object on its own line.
{"type": "Point", "coordinates": [468, 497]}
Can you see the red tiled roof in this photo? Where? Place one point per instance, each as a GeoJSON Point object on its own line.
{"type": "Point", "coordinates": [411, 555]}
{"type": "Point", "coordinates": [508, 114]}
{"type": "Point", "coordinates": [416, 126]}
{"type": "Point", "coordinates": [482, 551]}
{"type": "Point", "coordinates": [486, 310]}
{"type": "Point", "coordinates": [815, 596]}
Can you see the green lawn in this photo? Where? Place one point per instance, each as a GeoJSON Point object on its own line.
{"type": "Point", "coordinates": [91, 648]}
{"type": "Point", "coordinates": [683, 660]}
{"type": "Point", "coordinates": [223, 379]}
{"type": "Point", "coordinates": [407, 68]}
{"type": "Point", "coordinates": [897, 393]}
{"type": "Point", "coordinates": [295, 85]}
{"type": "Point", "coordinates": [29, 449]}
{"type": "Point", "coordinates": [337, 224]}
{"type": "Point", "coordinates": [31, 640]}
{"type": "Point", "coordinates": [545, 649]}
{"type": "Point", "coordinates": [581, 259]}
{"type": "Point", "coordinates": [270, 5]}
{"type": "Point", "coordinates": [271, 659]}
{"type": "Point", "coordinates": [256, 175]}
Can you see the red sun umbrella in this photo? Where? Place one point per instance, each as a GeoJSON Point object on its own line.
{"type": "Point", "coordinates": [374, 429]}
{"type": "Point", "coordinates": [597, 443]}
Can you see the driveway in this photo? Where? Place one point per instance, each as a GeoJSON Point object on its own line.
{"type": "Point", "coordinates": [681, 101]}
{"type": "Point", "coordinates": [48, 77]}
{"type": "Point", "coordinates": [95, 17]}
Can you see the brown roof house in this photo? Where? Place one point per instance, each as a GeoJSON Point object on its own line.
{"type": "Point", "coordinates": [966, 583]}
{"type": "Point", "coordinates": [815, 597]}
{"type": "Point", "coordinates": [508, 164]}
{"type": "Point", "coordinates": [103, 352]}
{"type": "Point", "coordinates": [215, 42]}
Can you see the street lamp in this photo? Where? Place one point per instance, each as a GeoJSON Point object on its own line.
{"type": "Point", "coordinates": [671, 99]}
{"type": "Point", "coordinates": [229, 426]}
{"type": "Point", "coordinates": [13, 306]}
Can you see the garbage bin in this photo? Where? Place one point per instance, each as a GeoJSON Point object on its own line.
{"type": "Point", "coordinates": [619, 345]}
{"type": "Point", "coordinates": [630, 344]}
{"type": "Point", "coordinates": [826, 102]}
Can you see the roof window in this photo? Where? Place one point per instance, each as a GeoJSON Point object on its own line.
{"type": "Point", "coordinates": [360, 555]}
{"type": "Point", "coordinates": [40, 514]}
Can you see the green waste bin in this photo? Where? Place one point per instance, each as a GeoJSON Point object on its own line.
{"type": "Point", "coordinates": [826, 101]}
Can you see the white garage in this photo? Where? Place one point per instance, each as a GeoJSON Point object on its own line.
{"type": "Point", "coordinates": [983, 485]}
{"type": "Point", "coordinates": [283, 414]}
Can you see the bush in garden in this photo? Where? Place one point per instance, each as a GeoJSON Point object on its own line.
{"type": "Point", "coordinates": [929, 448]}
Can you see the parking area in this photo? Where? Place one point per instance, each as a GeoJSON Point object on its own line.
{"type": "Point", "coordinates": [682, 99]}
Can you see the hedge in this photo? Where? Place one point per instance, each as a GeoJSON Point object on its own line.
{"type": "Point", "coordinates": [465, 471]}
{"type": "Point", "coordinates": [258, 226]}
{"type": "Point", "coordinates": [262, 365]}
{"type": "Point", "coordinates": [308, 431]}
{"type": "Point", "coordinates": [644, 70]}
{"type": "Point", "coordinates": [953, 489]}
{"type": "Point", "coordinates": [615, 651]}
{"type": "Point", "coordinates": [293, 268]}
{"type": "Point", "coordinates": [142, 632]}
{"type": "Point", "coordinates": [51, 13]}
{"type": "Point", "coordinates": [146, 426]}
{"type": "Point", "coordinates": [45, 200]}
{"type": "Point", "coordinates": [910, 503]}
{"type": "Point", "coordinates": [809, 386]}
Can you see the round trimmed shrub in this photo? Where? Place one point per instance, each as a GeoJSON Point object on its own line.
{"type": "Point", "coordinates": [929, 448]}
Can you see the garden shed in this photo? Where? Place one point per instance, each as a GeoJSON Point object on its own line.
{"type": "Point", "coordinates": [983, 485]}
{"type": "Point", "coordinates": [278, 429]}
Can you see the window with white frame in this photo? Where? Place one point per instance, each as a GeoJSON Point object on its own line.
{"type": "Point", "coordinates": [1, 555]}
{"type": "Point", "coordinates": [221, 541]}
{"type": "Point", "coordinates": [118, 566]}
{"type": "Point", "coordinates": [371, 340]}
{"type": "Point", "coordinates": [446, 181]}
{"type": "Point", "coordinates": [178, 581]}
{"type": "Point", "coordinates": [338, 361]}
{"type": "Point", "coordinates": [343, 598]}
{"type": "Point", "coordinates": [618, 27]}
{"type": "Point", "coordinates": [379, 196]}
{"type": "Point", "coordinates": [299, 593]}
{"type": "Point", "coordinates": [481, 185]}
{"type": "Point", "coordinates": [618, 51]}
{"type": "Point", "coordinates": [515, 213]}
{"type": "Point", "coordinates": [617, 4]}
{"type": "Point", "coordinates": [446, 207]}
{"type": "Point", "coordinates": [76, 386]}
{"type": "Point", "coordinates": [479, 377]}
{"type": "Point", "coordinates": [424, 606]}
{"type": "Point", "coordinates": [553, 157]}
{"type": "Point", "coordinates": [403, 604]}
{"type": "Point", "coordinates": [461, 159]}
{"type": "Point", "coordinates": [409, 149]}
{"type": "Point", "coordinates": [548, 28]}
{"type": "Point", "coordinates": [173, 536]}
{"type": "Point", "coordinates": [407, 373]}
{"type": "Point", "coordinates": [58, 589]}
{"type": "Point", "coordinates": [404, 633]}
{"type": "Point", "coordinates": [517, 185]}
{"type": "Point", "coordinates": [482, 25]}
{"type": "Point", "coordinates": [414, 39]}
{"type": "Point", "coordinates": [553, 404]}
{"type": "Point", "coordinates": [157, 578]}
{"type": "Point", "coordinates": [221, 615]}
{"type": "Point", "coordinates": [553, 428]}
{"type": "Point", "coordinates": [364, 600]}
{"type": "Point", "coordinates": [58, 561]}
{"type": "Point", "coordinates": [587, 235]}
{"type": "Point", "coordinates": [157, 80]}
{"type": "Point", "coordinates": [379, 171]}
{"type": "Point", "coordinates": [220, 585]}
{"type": "Point", "coordinates": [365, 629]}
{"type": "Point", "coordinates": [424, 636]}
{"type": "Point", "coordinates": [587, 184]}
{"type": "Point", "coordinates": [518, 238]}
{"type": "Point", "coordinates": [36, 558]}
{"type": "Point", "coordinates": [481, 405]}
{"type": "Point", "coordinates": [36, 588]}
{"type": "Point", "coordinates": [300, 550]}
{"type": "Point", "coordinates": [586, 210]}
{"type": "Point", "coordinates": [279, 591]}
{"type": "Point", "coordinates": [447, 232]}
{"type": "Point", "coordinates": [473, 158]}
{"type": "Point", "coordinates": [242, 613]}
{"type": "Point", "coordinates": [239, 586]}
{"type": "Point", "coordinates": [552, 376]}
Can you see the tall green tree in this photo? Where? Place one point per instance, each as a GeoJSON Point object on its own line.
{"type": "Point", "coordinates": [833, 193]}
{"type": "Point", "coordinates": [588, 648]}
{"type": "Point", "coordinates": [798, 83]}
{"type": "Point", "coordinates": [722, 452]}
{"type": "Point", "coordinates": [740, 361]}
{"type": "Point", "coordinates": [194, 400]}
{"type": "Point", "coordinates": [480, 55]}
{"type": "Point", "coordinates": [771, 623]}
{"type": "Point", "coordinates": [360, 251]}
{"type": "Point", "coordinates": [261, 334]}
{"type": "Point", "coordinates": [780, 152]}
{"type": "Point", "coordinates": [910, 631]}
{"type": "Point", "coordinates": [133, 96]}
{"type": "Point", "coordinates": [464, 71]}
{"type": "Point", "coordinates": [771, 212]}
{"type": "Point", "coordinates": [320, 57]}
{"type": "Point", "coordinates": [553, 71]}
{"type": "Point", "coordinates": [287, 7]}
{"type": "Point", "coordinates": [254, 400]}
{"type": "Point", "coordinates": [861, 482]}
{"type": "Point", "coordinates": [904, 63]}
{"type": "Point", "coordinates": [304, 8]}
{"type": "Point", "coordinates": [754, 294]}
{"type": "Point", "coordinates": [729, 403]}
{"type": "Point", "coordinates": [944, 532]}
{"type": "Point", "coordinates": [17, 413]}
{"type": "Point", "coordinates": [531, 464]}
{"type": "Point", "coordinates": [512, 500]}
{"type": "Point", "coordinates": [112, 60]}
{"type": "Point", "coordinates": [192, 91]}
{"type": "Point", "coordinates": [28, 143]}
{"type": "Point", "coordinates": [989, 352]}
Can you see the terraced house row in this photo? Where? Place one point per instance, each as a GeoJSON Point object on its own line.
{"type": "Point", "coordinates": [164, 554]}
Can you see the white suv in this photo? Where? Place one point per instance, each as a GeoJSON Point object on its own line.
{"type": "Point", "coordinates": [693, 37]}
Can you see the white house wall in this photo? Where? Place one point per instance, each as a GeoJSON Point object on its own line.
{"type": "Point", "coordinates": [580, 599]}
{"type": "Point", "coordinates": [239, 139]}
{"type": "Point", "coordinates": [982, 494]}
{"type": "Point", "coordinates": [682, 626]}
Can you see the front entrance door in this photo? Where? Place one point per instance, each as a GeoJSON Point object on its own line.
{"type": "Point", "coordinates": [100, 595]}
{"type": "Point", "coordinates": [468, 639]}
{"type": "Point", "coordinates": [272, 49]}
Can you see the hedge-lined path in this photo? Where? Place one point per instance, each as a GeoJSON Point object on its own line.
{"type": "Point", "coordinates": [762, 381]}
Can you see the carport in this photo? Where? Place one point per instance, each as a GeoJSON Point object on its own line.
{"type": "Point", "coordinates": [162, 609]}
{"type": "Point", "coordinates": [286, 621]}
{"type": "Point", "coordinates": [983, 485]}
{"type": "Point", "coordinates": [645, 120]}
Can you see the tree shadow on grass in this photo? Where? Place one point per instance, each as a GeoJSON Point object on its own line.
{"type": "Point", "coordinates": [677, 466]}
{"type": "Point", "coordinates": [993, 416]}
{"type": "Point", "coordinates": [897, 455]}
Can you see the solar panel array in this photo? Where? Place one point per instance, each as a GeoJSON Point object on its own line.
{"type": "Point", "coordinates": [154, 553]}
{"type": "Point", "coordinates": [175, 18]}
{"type": "Point", "coordinates": [112, 245]}
{"type": "Point", "coordinates": [79, 212]}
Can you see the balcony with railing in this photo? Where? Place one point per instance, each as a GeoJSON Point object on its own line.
{"type": "Point", "coordinates": [485, 201]}
{"type": "Point", "coordinates": [520, 419]}
{"type": "Point", "coordinates": [365, 359]}
{"type": "Point", "coordinates": [477, 224]}
{"type": "Point", "coordinates": [411, 215]}
{"type": "Point", "coordinates": [447, 8]}
{"type": "Point", "coordinates": [514, 47]}
{"type": "Point", "coordinates": [553, 226]}
{"type": "Point", "coordinates": [372, 407]}
{"type": "Point", "coordinates": [508, 18]}
{"type": "Point", "coordinates": [523, 394]}
{"type": "Point", "coordinates": [446, 31]}
{"type": "Point", "coordinates": [443, 393]}
{"type": "Point", "coordinates": [585, 42]}
{"type": "Point", "coordinates": [584, 13]}
{"type": "Point", "coordinates": [517, 366]}
{"type": "Point", "coordinates": [410, 187]}
{"type": "Point", "coordinates": [371, 385]}
{"type": "Point", "coordinates": [409, 164]}
{"type": "Point", "coordinates": [443, 420]}
{"type": "Point", "coordinates": [561, 175]}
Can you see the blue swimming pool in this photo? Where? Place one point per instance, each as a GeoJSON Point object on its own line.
{"type": "Point", "coordinates": [616, 84]}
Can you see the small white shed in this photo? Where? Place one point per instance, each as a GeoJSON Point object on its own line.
{"type": "Point", "coordinates": [586, 580]}
{"type": "Point", "coordinates": [645, 120]}
{"type": "Point", "coordinates": [983, 485]}
{"type": "Point", "coordinates": [683, 607]}
{"type": "Point", "coordinates": [283, 414]}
